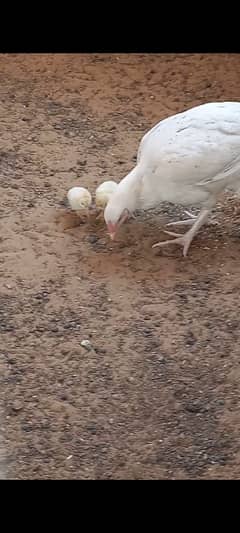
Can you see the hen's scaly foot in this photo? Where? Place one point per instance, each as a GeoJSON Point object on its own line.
{"type": "Point", "coordinates": [184, 240]}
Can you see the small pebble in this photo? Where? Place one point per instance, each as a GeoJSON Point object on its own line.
{"type": "Point", "coordinates": [92, 239]}
{"type": "Point", "coordinates": [86, 344]}
{"type": "Point", "coordinates": [17, 405]}
{"type": "Point", "coordinates": [54, 329]}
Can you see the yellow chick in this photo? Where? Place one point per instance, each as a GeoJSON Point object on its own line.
{"type": "Point", "coordinates": [104, 192]}
{"type": "Point", "coordinates": [79, 198]}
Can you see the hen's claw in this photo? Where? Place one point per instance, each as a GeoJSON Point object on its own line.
{"type": "Point", "coordinates": [186, 239]}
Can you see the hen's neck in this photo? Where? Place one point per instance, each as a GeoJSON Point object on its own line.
{"type": "Point", "coordinates": [131, 187]}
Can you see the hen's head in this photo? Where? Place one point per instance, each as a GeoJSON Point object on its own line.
{"type": "Point", "coordinates": [120, 207]}
{"type": "Point", "coordinates": [115, 215]}
{"type": "Point", "coordinates": [124, 201]}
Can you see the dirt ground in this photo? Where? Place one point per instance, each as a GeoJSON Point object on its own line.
{"type": "Point", "coordinates": [158, 395]}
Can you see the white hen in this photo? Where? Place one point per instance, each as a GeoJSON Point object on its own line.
{"type": "Point", "coordinates": [186, 159]}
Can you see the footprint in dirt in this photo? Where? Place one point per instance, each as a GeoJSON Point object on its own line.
{"type": "Point", "coordinates": [66, 220]}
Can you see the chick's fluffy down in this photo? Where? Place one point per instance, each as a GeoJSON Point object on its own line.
{"type": "Point", "coordinates": [104, 192]}
{"type": "Point", "coordinates": [79, 198]}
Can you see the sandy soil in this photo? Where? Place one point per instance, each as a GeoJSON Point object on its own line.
{"type": "Point", "coordinates": [158, 395]}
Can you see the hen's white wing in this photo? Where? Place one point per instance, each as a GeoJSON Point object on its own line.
{"type": "Point", "coordinates": [200, 146]}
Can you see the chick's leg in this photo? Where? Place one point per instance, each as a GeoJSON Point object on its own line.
{"type": "Point", "coordinates": [186, 239]}
{"type": "Point", "coordinates": [94, 213]}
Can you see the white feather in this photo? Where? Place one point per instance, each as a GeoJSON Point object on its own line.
{"type": "Point", "coordinates": [79, 198]}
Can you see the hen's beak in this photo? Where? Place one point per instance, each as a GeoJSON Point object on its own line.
{"type": "Point", "coordinates": [113, 227]}
{"type": "Point", "coordinates": [112, 230]}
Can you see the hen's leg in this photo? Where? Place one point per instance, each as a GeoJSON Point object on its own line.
{"type": "Point", "coordinates": [186, 239]}
{"type": "Point", "coordinates": [190, 221]}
